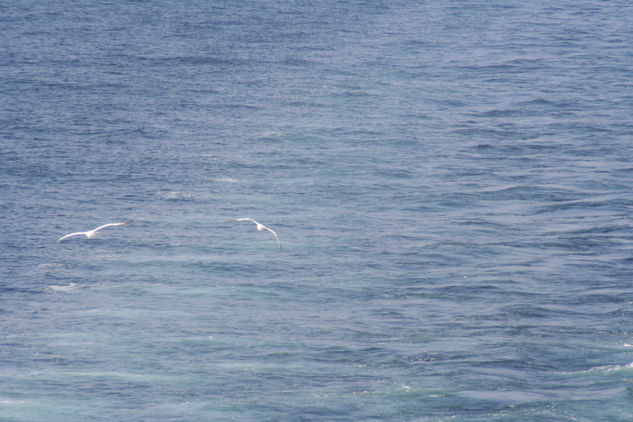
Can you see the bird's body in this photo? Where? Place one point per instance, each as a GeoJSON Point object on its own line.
{"type": "Point", "coordinates": [91, 233]}
{"type": "Point", "coordinates": [261, 227]}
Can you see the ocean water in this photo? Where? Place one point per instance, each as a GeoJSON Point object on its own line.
{"type": "Point", "coordinates": [451, 182]}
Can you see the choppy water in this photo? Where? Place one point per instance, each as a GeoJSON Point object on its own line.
{"type": "Point", "coordinates": [451, 182]}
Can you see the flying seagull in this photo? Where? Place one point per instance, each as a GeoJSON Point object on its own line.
{"type": "Point", "coordinates": [91, 233]}
{"type": "Point", "coordinates": [261, 227]}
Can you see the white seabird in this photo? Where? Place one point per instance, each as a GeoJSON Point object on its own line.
{"type": "Point", "coordinates": [261, 227]}
{"type": "Point", "coordinates": [91, 233]}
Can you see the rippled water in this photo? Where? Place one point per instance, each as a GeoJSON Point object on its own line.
{"type": "Point", "coordinates": [450, 181]}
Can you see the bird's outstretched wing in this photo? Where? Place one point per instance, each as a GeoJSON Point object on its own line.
{"type": "Point", "coordinates": [90, 233]}
{"type": "Point", "coordinates": [110, 225]}
{"type": "Point", "coordinates": [246, 219]}
{"type": "Point", "coordinates": [274, 234]}
{"type": "Point", "coordinates": [71, 235]}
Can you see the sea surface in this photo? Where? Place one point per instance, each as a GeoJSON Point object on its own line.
{"type": "Point", "coordinates": [451, 183]}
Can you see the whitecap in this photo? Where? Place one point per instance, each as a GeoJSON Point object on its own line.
{"type": "Point", "coordinates": [227, 180]}
{"type": "Point", "coordinates": [9, 402]}
{"type": "Point", "coordinates": [271, 134]}
{"type": "Point", "coordinates": [174, 195]}
{"type": "Point", "coordinates": [67, 288]}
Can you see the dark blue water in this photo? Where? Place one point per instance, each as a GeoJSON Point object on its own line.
{"type": "Point", "coordinates": [450, 181]}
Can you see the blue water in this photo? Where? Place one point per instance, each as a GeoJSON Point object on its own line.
{"type": "Point", "coordinates": [451, 182]}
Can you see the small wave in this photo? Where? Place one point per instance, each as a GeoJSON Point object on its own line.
{"type": "Point", "coordinates": [270, 134]}
{"type": "Point", "coordinates": [610, 370]}
{"type": "Point", "coordinates": [227, 180]}
{"type": "Point", "coordinates": [173, 195]}
{"type": "Point", "coordinates": [605, 369]}
{"type": "Point", "coordinates": [9, 402]}
{"type": "Point", "coordinates": [613, 368]}
{"type": "Point", "coordinates": [65, 289]}
{"type": "Point", "coordinates": [509, 397]}
{"type": "Point", "coordinates": [50, 266]}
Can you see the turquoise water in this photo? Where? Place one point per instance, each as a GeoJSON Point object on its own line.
{"type": "Point", "coordinates": [450, 181]}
